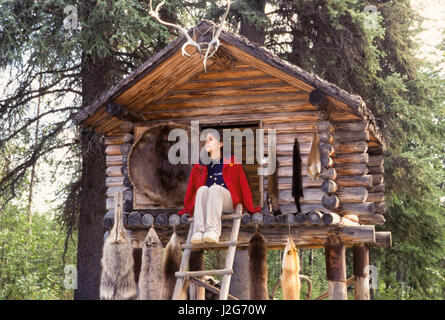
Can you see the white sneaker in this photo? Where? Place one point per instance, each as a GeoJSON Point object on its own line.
{"type": "Point", "coordinates": [196, 237]}
{"type": "Point", "coordinates": [210, 237]}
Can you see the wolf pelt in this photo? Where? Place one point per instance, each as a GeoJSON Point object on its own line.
{"type": "Point", "coordinates": [117, 279]}
{"type": "Point", "coordinates": [150, 278]}
{"type": "Point", "coordinates": [170, 264]}
{"type": "Point", "coordinates": [258, 267]}
{"type": "Point", "coordinates": [290, 277]}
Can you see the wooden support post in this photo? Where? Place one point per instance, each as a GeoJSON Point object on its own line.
{"type": "Point", "coordinates": [196, 264]}
{"type": "Point", "coordinates": [361, 282]}
{"type": "Point", "coordinates": [336, 269]}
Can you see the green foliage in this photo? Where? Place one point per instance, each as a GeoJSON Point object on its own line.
{"type": "Point", "coordinates": [31, 264]}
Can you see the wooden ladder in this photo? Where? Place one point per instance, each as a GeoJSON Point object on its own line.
{"type": "Point", "coordinates": [227, 272]}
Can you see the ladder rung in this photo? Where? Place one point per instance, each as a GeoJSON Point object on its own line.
{"type": "Point", "coordinates": [216, 272]}
{"type": "Point", "coordinates": [209, 245]}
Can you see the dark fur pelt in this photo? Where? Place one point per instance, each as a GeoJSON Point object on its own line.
{"type": "Point", "coordinates": [170, 264]}
{"type": "Point", "coordinates": [297, 182]}
{"type": "Point", "coordinates": [150, 279]}
{"type": "Point", "coordinates": [117, 279]}
{"type": "Point", "coordinates": [258, 267]}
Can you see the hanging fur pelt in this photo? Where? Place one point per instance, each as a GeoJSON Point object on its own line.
{"type": "Point", "coordinates": [314, 159]}
{"type": "Point", "coordinates": [297, 182]}
{"type": "Point", "coordinates": [170, 264]}
{"type": "Point", "coordinates": [290, 277]}
{"type": "Point", "coordinates": [117, 279]}
{"type": "Point", "coordinates": [258, 267]}
{"type": "Point", "coordinates": [150, 279]}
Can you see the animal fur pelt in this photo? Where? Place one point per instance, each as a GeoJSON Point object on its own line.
{"type": "Point", "coordinates": [297, 182]}
{"type": "Point", "coordinates": [272, 191]}
{"type": "Point", "coordinates": [314, 159]}
{"type": "Point", "coordinates": [170, 264]}
{"type": "Point", "coordinates": [117, 279]}
{"type": "Point", "coordinates": [258, 267]}
{"type": "Point", "coordinates": [150, 278]}
{"type": "Point", "coordinates": [290, 277]}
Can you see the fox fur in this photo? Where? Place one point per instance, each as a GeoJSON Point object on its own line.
{"type": "Point", "coordinates": [258, 267]}
{"type": "Point", "coordinates": [117, 279]}
{"type": "Point", "coordinates": [151, 269]}
{"type": "Point", "coordinates": [171, 263]}
{"type": "Point", "coordinates": [290, 277]}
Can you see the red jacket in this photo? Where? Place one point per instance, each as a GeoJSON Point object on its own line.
{"type": "Point", "coordinates": [235, 179]}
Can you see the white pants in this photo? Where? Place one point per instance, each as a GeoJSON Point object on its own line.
{"type": "Point", "coordinates": [210, 203]}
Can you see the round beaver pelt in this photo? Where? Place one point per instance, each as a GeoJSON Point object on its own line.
{"type": "Point", "coordinates": [150, 171]}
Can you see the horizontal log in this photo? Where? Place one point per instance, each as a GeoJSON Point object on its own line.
{"type": "Point", "coordinates": [204, 84]}
{"type": "Point", "coordinates": [291, 127]}
{"type": "Point", "coordinates": [276, 237]}
{"type": "Point", "coordinates": [127, 205]}
{"type": "Point", "coordinates": [352, 217]}
{"type": "Point", "coordinates": [289, 219]}
{"type": "Point", "coordinates": [355, 181]}
{"type": "Point", "coordinates": [174, 219]}
{"type": "Point", "coordinates": [326, 137]}
{"type": "Point", "coordinates": [352, 194]}
{"type": "Point", "coordinates": [315, 217]}
{"type": "Point", "coordinates": [305, 207]}
{"type": "Point", "coordinates": [351, 169]}
{"type": "Point", "coordinates": [330, 202]}
{"type": "Point", "coordinates": [310, 196]}
{"type": "Point", "coordinates": [121, 112]}
{"type": "Point", "coordinates": [118, 149]}
{"type": "Point", "coordinates": [351, 135]}
{"type": "Point", "coordinates": [383, 239]}
{"type": "Point", "coordinates": [375, 161]}
{"type": "Point", "coordinates": [327, 161]}
{"type": "Point", "coordinates": [147, 220]}
{"type": "Point", "coordinates": [331, 218]}
{"type": "Point", "coordinates": [360, 125]}
{"type": "Point", "coordinates": [301, 218]}
{"type": "Point", "coordinates": [285, 183]}
{"type": "Point", "coordinates": [376, 170]}
{"type": "Point", "coordinates": [328, 174]}
{"type": "Point", "coordinates": [366, 208]}
{"type": "Point", "coordinates": [257, 218]}
{"type": "Point", "coordinates": [377, 188]}
{"type": "Point", "coordinates": [380, 207]}
{"type": "Point", "coordinates": [327, 149]}
{"type": "Point", "coordinates": [114, 171]}
{"type": "Point", "coordinates": [329, 186]}
{"type": "Point", "coordinates": [351, 158]}
{"type": "Point", "coordinates": [116, 160]}
{"type": "Point", "coordinates": [347, 147]}
{"type": "Point", "coordinates": [118, 181]}
{"type": "Point", "coordinates": [126, 127]}
{"type": "Point", "coordinates": [134, 219]}
{"type": "Point", "coordinates": [376, 196]}
{"type": "Point", "coordinates": [161, 219]}
{"type": "Point", "coordinates": [377, 179]}
{"type": "Point", "coordinates": [112, 190]}
{"type": "Point", "coordinates": [375, 150]}
{"type": "Point", "coordinates": [119, 139]}
{"type": "Point", "coordinates": [372, 219]}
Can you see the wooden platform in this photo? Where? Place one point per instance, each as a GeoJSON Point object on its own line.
{"type": "Point", "coordinates": [276, 236]}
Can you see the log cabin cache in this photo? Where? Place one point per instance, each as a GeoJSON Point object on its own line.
{"type": "Point", "coordinates": [246, 86]}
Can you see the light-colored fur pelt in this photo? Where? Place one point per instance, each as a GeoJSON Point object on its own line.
{"type": "Point", "coordinates": [150, 279]}
{"type": "Point", "coordinates": [290, 277]}
{"type": "Point", "coordinates": [117, 279]}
